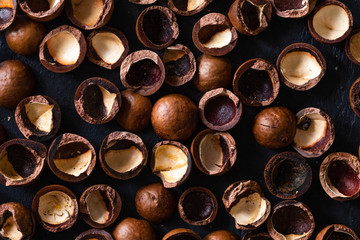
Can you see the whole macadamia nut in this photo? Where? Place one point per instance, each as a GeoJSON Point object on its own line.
{"type": "Point", "coordinates": [221, 235]}
{"type": "Point", "coordinates": [174, 117]}
{"type": "Point", "coordinates": [134, 229]}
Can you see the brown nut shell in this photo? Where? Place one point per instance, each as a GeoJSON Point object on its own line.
{"type": "Point", "coordinates": [212, 72]}
{"type": "Point", "coordinates": [198, 206]}
{"type": "Point", "coordinates": [16, 215]}
{"type": "Point", "coordinates": [186, 8]}
{"type": "Point", "coordinates": [97, 100]}
{"type": "Point", "coordinates": [287, 175]}
{"type": "Point", "coordinates": [77, 13]}
{"type": "Point", "coordinates": [63, 38]}
{"type": "Point", "coordinates": [8, 11]}
{"type": "Point", "coordinates": [117, 143]}
{"type": "Point", "coordinates": [256, 82]}
{"type": "Point", "coordinates": [336, 231]}
{"type": "Point", "coordinates": [180, 65]}
{"type": "Point", "coordinates": [257, 236]}
{"type": "Point", "coordinates": [319, 125]}
{"type": "Point", "coordinates": [340, 176]}
{"type": "Point", "coordinates": [355, 97]}
{"type": "Point", "coordinates": [212, 25]}
{"type": "Point", "coordinates": [221, 235]}
{"type": "Point", "coordinates": [220, 109]}
{"type": "Point", "coordinates": [293, 9]}
{"type": "Point", "coordinates": [38, 117]}
{"type": "Point", "coordinates": [3, 135]}
{"type": "Point", "coordinates": [212, 143]}
{"type": "Point", "coordinates": [143, 2]}
{"type": "Point", "coordinates": [165, 171]}
{"type": "Point", "coordinates": [320, 25]}
{"type": "Point", "coordinates": [107, 39]}
{"type": "Point", "coordinates": [139, 64]}
{"type": "Point", "coordinates": [25, 35]}
{"type": "Point", "coordinates": [23, 161]}
{"type": "Point", "coordinates": [352, 46]}
{"type": "Point", "coordinates": [65, 202]}
{"type": "Point", "coordinates": [250, 17]}
{"type": "Point", "coordinates": [180, 234]}
{"type": "Point", "coordinates": [294, 76]}
{"type": "Point", "coordinates": [71, 157]}
{"type": "Point", "coordinates": [41, 11]}
{"type": "Point", "coordinates": [17, 82]}
{"type": "Point", "coordinates": [100, 205]}
{"type": "Point", "coordinates": [274, 127]}
{"type": "Point", "coordinates": [97, 234]}
{"type": "Point", "coordinates": [155, 203]}
{"type": "Point", "coordinates": [134, 229]}
{"type": "Point", "coordinates": [291, 218]}
{"type": "Point", "coordinates": [135, 112]}
{"type": "Point", "coordinates": [174, 117]}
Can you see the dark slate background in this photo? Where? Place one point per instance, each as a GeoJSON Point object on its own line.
{"type": "Point", "coordinates": [331, 95]}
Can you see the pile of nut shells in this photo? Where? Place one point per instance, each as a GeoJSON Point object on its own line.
{"type": "Point", "coordinates": [179, 119]}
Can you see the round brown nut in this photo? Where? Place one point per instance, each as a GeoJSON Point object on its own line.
{"type": "Point", "coordinates": [17, 81]}
{"type": "Point", "coordinates": [42, 11]}
{"type": "Point", "coordinates": [188, 8]}
{"type": "Point", "coordinates": [94, 234]}
{"type": "Point", "coordinates": [274, 127]}
{"type": "Point", "coordinates": [212, 72]}
{"type": "Point", "coordinates": [293, 9]}
{"type": "Point", "coordinates": [8, 9]}
{"type": "Point", "coordinates": [135, 112]}
{"type": "Point", "coordinates": [155, 203]}
{"type": "Point", "coordinates": [25, 35]}
{"type": "Point", "coordinates": [174, 117]}
{"type": "Point", "coordinates": [134, 229]}
{"type": "Point", "coordinates": [221, 235]}
{"type": "Point", "coordinates": [181, 234]}
{"type": "Point", "coordinates": [337, 231]}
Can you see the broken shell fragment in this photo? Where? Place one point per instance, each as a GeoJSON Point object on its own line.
{"type": "Point", "coordinates": [42, 10]}
{"type": "Point", "coordinates": [188, 7]}
{"type": "Point", "coordinates": [294, 8]}
{"type": "Point", "coordinates": [94, 234]}
{"type": "Point", "coordinates": [336, 231]}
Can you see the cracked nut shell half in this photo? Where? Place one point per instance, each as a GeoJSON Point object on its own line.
{"type": "Point", "coordinates": [100, 205]}
{"type": "Point", "coordinates": [256, 82]}
{"type": "Point", "coordinates": [336, 231]}
{"type": "Point", "coordinates": [355, 97]}
{"type": "Point", "coordinates": [340, 176]}
{"type": "Point", "coordinates": [8, 10]}
{"type": "Point", "coordinates": [352, 47]}
{"type": "Point", "coordinates": [55, 208]}
{"type": "Point", "coordinates": [315, 132]}
{"type": "Point", "coordinates": [287, 175]}
{"type": "Point", "coordinates": [246, 203]}
{"type": "Point", "coordinates": [171, 162]}
{"type": "Point", "coordinates": [294, 8]}
{"type": "Point", "coordinates": [134, 229]}
{"type": "Point", "coordinates": [94, 234]}
{"type": "Point", "coordinates": [220, 109]}
{"type": "Point", "coordinates": [156, 27]}
{"type": "Point", "coordinates": [129, 148]}
{"type": "Point", "coordinates": [21, 162]}
{"type": "Point", "coordinates": [188, 7]}
{"type": "Point", "coordinates": [97, 100]}
{"type": "Point", "coordinates": [214, 153]}
{"type": "Point", "coordinates": [331, 22]}
{"type": "Point", "coordinates": [181, 234]}
{"type": "Point", "coordinates": [139, 64]}
{"type": "Point", "coordinates": [38, 117]}
{"type": "Point", "coordinates": [63, 49]}
{"type": "Point", "coordinates": [257, 236]}
{"type": "Point", "coordinates": [71, 157]}
{"type": "Point", "coordinates": [143, 2]}
{"type": "Point", "coordinates": [42, 10]}
{"type": "Point", "coordinates": [16, 222]}
{"type": "Point", "coordinates": [301, 66]}
{"type": "Point", "coordinates": [214, 35]}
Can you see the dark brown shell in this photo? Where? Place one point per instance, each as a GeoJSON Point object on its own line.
{"type": "Point", "coordinates": [214, 19]}
{"type": "Point", "coordinates": [257, 64]}
{"type": "Point", "coordinates": [180, 233]}
{"type": "Point", "coordinates": [30, 149]}
{"type": "Point", "coordinates": [39, 14]}
{"type": "Point", "coordinates": [63, 140]}
{"type": "Point", "coordinates": [94, 234]}
{"type": "Point", "coordinates": [314, 52]}
{"type": "Point", "coordinates": [355, 97]}
{"type": "Point", "coordinates": [257, 236]}
{"type": "Point", "coordinates": [112, 200]}
{"type": "Point", "coordinates": [294, 13]}
{"type": "Point", "coordinates": [27, 128]}
{"type": "Point", "coordinates": [122, 136]}
{"type": "Point", "coordinates": [8, 22]}
{"type": "Point", "coordinates": [327, 231]}
{"type": "Point", "coordinates": [348, 52]}
{"type": "Point", "coordinates": [182, 11]}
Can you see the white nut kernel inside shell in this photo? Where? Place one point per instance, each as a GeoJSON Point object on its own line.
{"type": "Point", "coordinates": [108, 99]}
{"type": "Point", "coordinates": [171, 162]}
{"type": "Point", "coordinates": [173, 54]}
{"type": "Point", "coordinates": [219, 39]}
{"type": "Point", "coordinates": [124, 160]}
{"type": "Point", "coordinates": [56, 207]}
{"type": "Point", "coordinates": [87, 12]}
{"type": "Point", "coordinates": [64, 48]}
{"type": "Point", "coordinates": [40, 115]}
{"type": "Point", "coordinates": [53, 3]}
{"type": "Point", "coordinates": [9, 230]}
{"type": "Point", "coordinates": [314, 133]}
{"type": "Point", "coordinates": [108, 47]}
{"type": "Point", "coordinates": [74, 166]}
{"type": "Point", "coordinates": [194, 4]}
{"type": "Point", "coordinates": [6, 4]}
{"type": "Point", "coordinates": [299, 67]}
{"type": "Point", "coordinates": [249, 209]}
{"type": "Point", "coordinates": [211, 153]}
{"type": "Point", "coordinates": [97, 208]}
{"type": "Point", "coordinates": [331, 22]}
{"type": "Point", "coordinates": [7, 169]}
{"type": "Point", "coordinates": [355, 46]}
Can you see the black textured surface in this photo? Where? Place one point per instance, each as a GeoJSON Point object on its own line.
{"type": "Point", "coordinates": [331, 95]}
